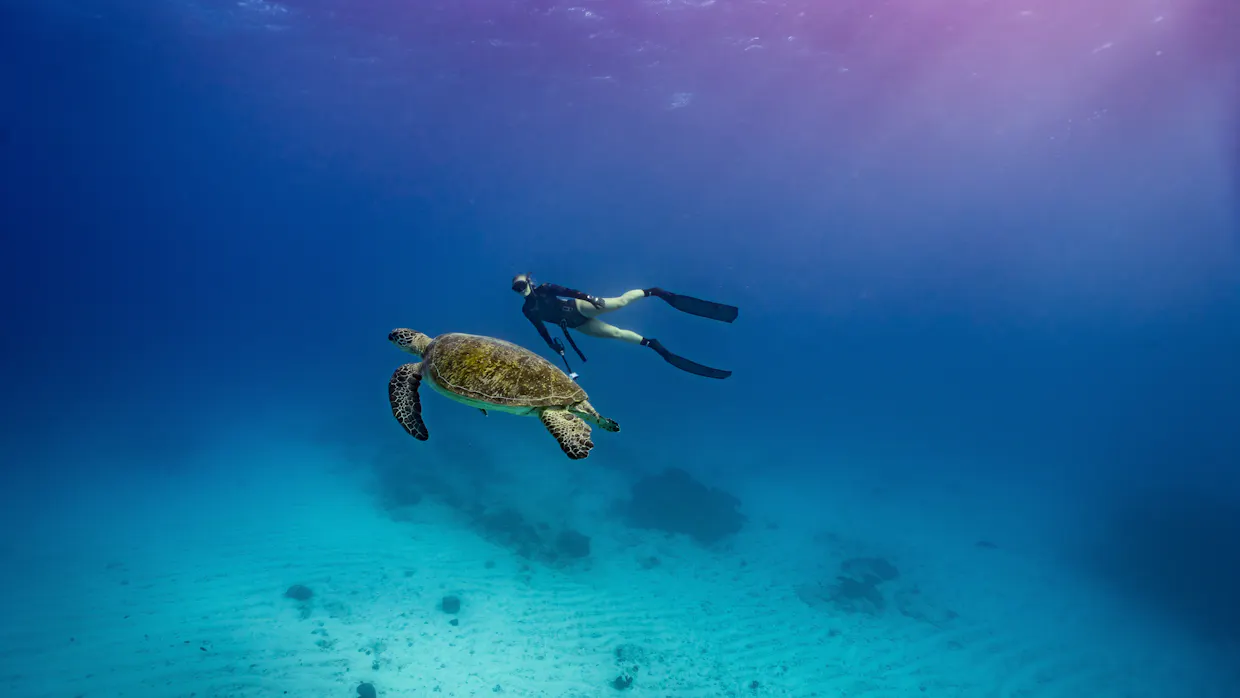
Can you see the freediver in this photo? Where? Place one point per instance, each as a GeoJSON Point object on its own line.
{"type": "Point", "coordinates": [572, 309]}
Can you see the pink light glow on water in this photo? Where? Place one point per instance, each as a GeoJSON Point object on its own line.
{"type": "Point", "coordinates": [1080, 150]}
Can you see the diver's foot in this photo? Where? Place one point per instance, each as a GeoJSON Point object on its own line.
{"type": "Point", "coordinates": [682, 363]}
{"type": "Point", "coordinates": [695, 306]}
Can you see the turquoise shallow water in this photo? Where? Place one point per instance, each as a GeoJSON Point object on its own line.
{"type": "Point", "coordinates": [178, 588]}
{"type": "Point", "coordinates": [979, 437]}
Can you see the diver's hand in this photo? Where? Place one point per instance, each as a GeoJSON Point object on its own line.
{"type": "Point", "coordinates": [596, 302]}
{"type": "Point", "coordinates": [558, 346]}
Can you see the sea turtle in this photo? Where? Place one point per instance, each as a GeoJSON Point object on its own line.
{"type": "Point", "coordinates": [489, 373]}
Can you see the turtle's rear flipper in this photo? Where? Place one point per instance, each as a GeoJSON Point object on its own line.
{"type": "Point", "coordinates": [570, 430]}
{"type": "Point", "coordinates": [696, 306]}
{"type": "Point", "coordinates": [591, 414]}
{"type": "Point", "coordinates": [684, 364]}
{"type": "Point", "coordinates": [406, 405]}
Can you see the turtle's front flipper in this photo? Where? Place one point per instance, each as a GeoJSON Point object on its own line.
{"type": "Point", "coordinates": [570, 430]}
{"type": "Point", "coordinates": [406, 405]}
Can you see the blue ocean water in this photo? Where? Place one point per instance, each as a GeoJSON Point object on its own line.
{"type": "Point", "coordinates": [982, 426]}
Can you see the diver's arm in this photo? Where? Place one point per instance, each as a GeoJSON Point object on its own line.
{"type": "Point", "coordinates": [573, 293]}
{"type": "Point", "coordinates": [542, 331]}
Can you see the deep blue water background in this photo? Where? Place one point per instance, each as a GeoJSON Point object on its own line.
{"type": "Point", "coordinates": [1029, 280]}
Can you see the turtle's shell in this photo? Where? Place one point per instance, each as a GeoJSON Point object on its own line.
{"type": "Point", "coordinates": [498, 372]}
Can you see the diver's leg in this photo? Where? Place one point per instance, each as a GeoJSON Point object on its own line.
{"type": "Point", "coordinates": [598, 328]}
{"type": "Point", "coordinates": [609, 304]}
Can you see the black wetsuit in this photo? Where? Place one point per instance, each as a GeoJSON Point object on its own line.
{"type": "Point", "coordinates": [558, 305]}
{"type": "Point", "coordinates": [544, 304]}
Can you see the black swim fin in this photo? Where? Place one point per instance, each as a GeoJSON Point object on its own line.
{"type": "Point", "coordinates": [696, 306]}
{"type": "Point", "coordinates": [684, 364]}
{"type": "Point", "coordinates": [693, 367]}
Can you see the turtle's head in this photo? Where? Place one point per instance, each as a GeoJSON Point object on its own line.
{"type": "Point", "coordinates": [409, 341]}
{"type": "Point", "coordinates": [523, 283]}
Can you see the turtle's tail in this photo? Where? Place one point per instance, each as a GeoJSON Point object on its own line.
{"type": "Point", "coordinates": [682, 363]}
